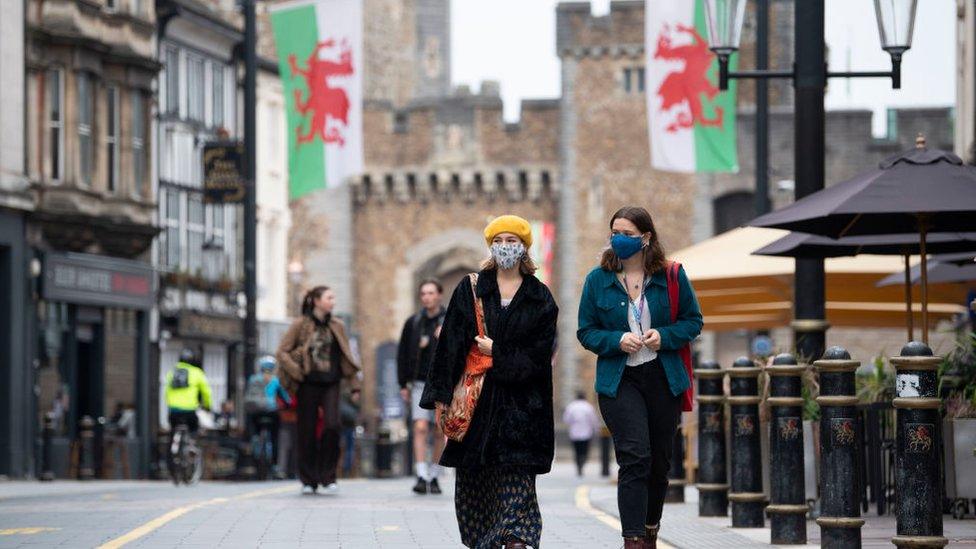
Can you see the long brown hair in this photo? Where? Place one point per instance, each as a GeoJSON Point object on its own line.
{"type": "Point", "coordinates": [654, 259]}
{"type": "Point", "coordinates": [311, 296]}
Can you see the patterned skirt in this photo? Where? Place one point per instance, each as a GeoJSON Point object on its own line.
{"type": "Point", "coordinates": [495, 505]}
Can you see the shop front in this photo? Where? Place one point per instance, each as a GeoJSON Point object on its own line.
{"type": "Point", "coordinates": [93, 362]}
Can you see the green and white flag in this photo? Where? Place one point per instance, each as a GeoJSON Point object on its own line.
{"type": "Point", "coordinates": [691, 123]}
{"type": "Point", "coordinates": [320, 57]}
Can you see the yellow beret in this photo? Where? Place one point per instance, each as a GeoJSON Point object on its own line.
{"type": "Point", "coordinates": [509, 224]}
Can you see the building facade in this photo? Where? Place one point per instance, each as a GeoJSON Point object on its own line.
{"type": "Point", "coordinates": [16, 202]}
{"type": "Point", "coordinates": [198, 252]}
{"type": "Point", "coordinates": [90, 72]}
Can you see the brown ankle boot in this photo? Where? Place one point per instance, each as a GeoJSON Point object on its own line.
{"type": "Point", "coordinates": [514, 543]}
{"type": "Point", "coordinates": [650, 536]}
{"type": "Point", "coordinates": [634, 543]}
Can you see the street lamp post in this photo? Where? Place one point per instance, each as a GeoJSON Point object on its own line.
{"type": "Point", "coordinates": [250, 176]}
{"type": "Point", "coordinates": [896, 19]}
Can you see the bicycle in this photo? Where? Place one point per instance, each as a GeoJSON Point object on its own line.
{"type": "Point", "coordinates": [186, 459]}
{"type": "Point", "coordinates": [262, 447]}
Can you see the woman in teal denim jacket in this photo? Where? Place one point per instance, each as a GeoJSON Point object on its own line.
{"type": "Point", "coordinates": [625, 319]}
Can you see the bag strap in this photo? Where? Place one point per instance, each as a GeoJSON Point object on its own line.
{"type": "Point", "coordinates": [479, 307]}
{"type": "Point", "coordinates": [673, 289]}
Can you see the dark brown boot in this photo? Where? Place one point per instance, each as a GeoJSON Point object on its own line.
{"type": "Point", "coordinates": [650, 536]}
{"type": "Point", "coordinates": [634, 543]}
{"type": "Point", "coordinates": [514, 543]}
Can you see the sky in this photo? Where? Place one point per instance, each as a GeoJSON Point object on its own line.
{"type": "Point", "coordinates": [513, 42]}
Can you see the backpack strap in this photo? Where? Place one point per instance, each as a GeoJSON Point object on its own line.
{"type": "Point", "coordinates": [673, 289]}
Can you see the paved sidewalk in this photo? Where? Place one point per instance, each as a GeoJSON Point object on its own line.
{"type": "Point", "coordinates": [683, 528]}
{"type": "Point", "coordinates": [365, 514]}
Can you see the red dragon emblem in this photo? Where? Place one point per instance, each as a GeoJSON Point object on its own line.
{"type": "Point", "coordinates": [326, 105]}
{"type": "Point", "coordinates": [685, 87]}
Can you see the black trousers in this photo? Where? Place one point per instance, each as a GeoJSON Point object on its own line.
{"type": "Point", "coordinates": [582, 450]}
{"type": "Point", "coordinates": [318, 455]}
{"type": "Point", "coordinates": [642, 420]}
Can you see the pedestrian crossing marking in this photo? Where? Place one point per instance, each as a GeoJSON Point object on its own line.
{"type": "Point", "coordinates": [388, 528]}
{"type": "Point", "coordinates": [27, 531]}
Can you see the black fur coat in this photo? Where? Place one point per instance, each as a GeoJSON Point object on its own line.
{"type": "Point", "coordinates": [513, 422]}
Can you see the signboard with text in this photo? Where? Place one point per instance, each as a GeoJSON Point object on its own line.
{"type": "Point", "coordinates": [223, 172]}
{"type": "Point", "coordinates": [97, 280]}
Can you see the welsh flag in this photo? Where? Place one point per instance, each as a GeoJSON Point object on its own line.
{"type": "Point", "coordinates": [691, 123]}
{"type": "Point", "coordinates": [320, 58]}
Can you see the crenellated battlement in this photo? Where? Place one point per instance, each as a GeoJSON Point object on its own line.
{"type": "Point", "coordinates": [531, 184]}
{"type": "Point", "coordinates": [619, 33]}
{"type": "Point", "coordinates": [460, 133]}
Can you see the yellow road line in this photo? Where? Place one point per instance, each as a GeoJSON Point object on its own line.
{"type": "Point", "coordinates": [27, 531]}
{"type": "Point", "coordinates": [162, 520]}
{"type": "Point", "coordinates": [583, 504]}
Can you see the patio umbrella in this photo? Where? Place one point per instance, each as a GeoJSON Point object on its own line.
{"type": "Point", "coordinates": [939, 271]}
{"type": "Point", "coordinates": [919, 191]}
{"type": "Point", "coordinates": [738, 290]}
{"type": "Point", "coordinates": [906, 245]}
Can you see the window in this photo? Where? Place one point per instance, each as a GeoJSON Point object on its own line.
{"type": "Point", "coordinates": [218, 96]}
{"type": "Point", "coordinates": [194, 234]}
{"type": "Point", "coordinates": [172, 224]}
{"type": "Point", "coordinates": [733, 210]}
{"type": "Point", "coordinates": [86, 108]}
{"type": "Point", "coordinates": [55, 123]}
{"type": "Point", "coordinates": [172, 81]}
{"type": "Point", "coordinates": [112, 138]}
{"type": "Point", "coordinates": [138, 142]}
{"type": "Point", "coordinates": [136, 6]}
{"type": "Point", "coordinates": [634, 80]}
{"type": "Point", "coordinates": [195, 88]}
{"type": "Point", "coordinates": [110, 5]}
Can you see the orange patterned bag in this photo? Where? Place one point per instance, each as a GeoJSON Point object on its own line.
{"type": "Point", "coordinates": [456, 419]}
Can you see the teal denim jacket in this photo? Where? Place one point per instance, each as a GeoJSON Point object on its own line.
{"type": "Point", "coordinates": [603, 321]}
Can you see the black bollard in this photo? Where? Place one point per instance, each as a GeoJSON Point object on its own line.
{"type": "Point", "coordinates": [47, 440]}
{"type": "Point", "coordinates": [676, 475]}
{"type": "Point", "coordinates": [86, 435]}
{"type": "Point", "coordinates": [840, 440]}
{"type": "Point", "coordinates": [747, 497]}
{"type": "Point", "coordinates": [605, 452]}
{"type": "Point", "coordinates": [918, 465]}
{"type": "Point", "coordinates": [713, 487]}
{"type": "Point", "coordinates": [787, 510]}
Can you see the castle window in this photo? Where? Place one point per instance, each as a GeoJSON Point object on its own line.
{"type": "Point", "coordinates": [634, 79]}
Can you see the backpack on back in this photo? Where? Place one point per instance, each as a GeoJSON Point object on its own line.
{"type": "Point", "coordinates": [255, 397]}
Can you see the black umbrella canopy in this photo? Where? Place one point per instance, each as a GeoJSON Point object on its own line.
{"type": "Point", "coordinates": [812, 246]}
{"type": "Point", "coordinates": [889, 200]}
{"type": "Point", "coordinates": [938, 272]}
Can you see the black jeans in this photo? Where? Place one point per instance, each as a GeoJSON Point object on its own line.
{"type": "Point", "coordinates": [642, 419]}
{"type": "Point", "coordinates": [318, 456]}
{"type": "Point", "coordinates": [582, 449]}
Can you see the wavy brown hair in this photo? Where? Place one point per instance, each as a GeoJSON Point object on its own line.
{"type": "Point", "coordinates": [654, 259]}
{"type": "Point", "coordinates": [311, 296]}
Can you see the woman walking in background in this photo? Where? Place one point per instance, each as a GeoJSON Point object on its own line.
{"type": "Point", "coordinates": [510, 437]}
{"type": "Point", "coordinates": [625, 319]}
{"type": "Point", "coordinates": [315, 358]}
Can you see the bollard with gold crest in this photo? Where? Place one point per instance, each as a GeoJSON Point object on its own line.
{"type": "Point", "coordinates": [712, 484]}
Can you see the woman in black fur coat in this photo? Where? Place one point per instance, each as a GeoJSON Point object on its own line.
{"type": "Point", "coordinates": [510, 439]}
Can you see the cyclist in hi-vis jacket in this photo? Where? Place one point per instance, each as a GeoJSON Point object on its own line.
{"type": "Point", "coordinates": [186, 391]}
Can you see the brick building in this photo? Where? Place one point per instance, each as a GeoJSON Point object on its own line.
{"type": "Point", "coordinates": [441, 162]}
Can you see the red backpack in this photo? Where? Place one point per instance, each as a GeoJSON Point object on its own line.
{"type": "Point", "coordinates": [688, 398]}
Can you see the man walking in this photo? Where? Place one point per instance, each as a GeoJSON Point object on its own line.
{"type": "Point", "coordinates": [415, 352]}
{"type": "Point", "coordinates": [583, 422]}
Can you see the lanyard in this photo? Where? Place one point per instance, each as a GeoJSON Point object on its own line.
{"type": "Point", "coordinates": [637, 310]}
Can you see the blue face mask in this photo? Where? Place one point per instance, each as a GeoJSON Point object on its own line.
{"type": "Point", "coordinates": [626, 246]}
